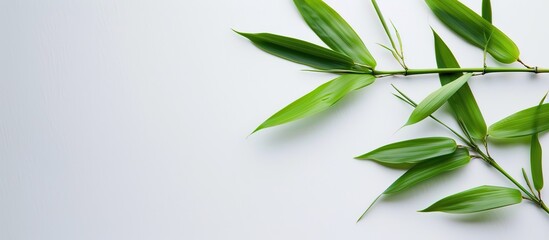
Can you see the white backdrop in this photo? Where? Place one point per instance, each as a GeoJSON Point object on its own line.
{"type": "Point", "coordinates": [129, 119]}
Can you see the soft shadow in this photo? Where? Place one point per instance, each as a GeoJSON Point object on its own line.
{"type": "Point", "coordinates": [522, 141]}
{"type": "Point", "coordinates": [492, 217]}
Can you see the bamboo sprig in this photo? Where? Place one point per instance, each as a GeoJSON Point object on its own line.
{"type": "Point", "coordinates": [423, 158]}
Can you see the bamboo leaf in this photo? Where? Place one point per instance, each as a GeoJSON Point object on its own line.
{"type": "Point", "coordinates": [384, 24]}
{"type": "Point", "coordinates": [475, 29]}
{"type": "Point", "coordinates": [399, 40]}
{"type": "Point", "coordinates": [487, 10]}
{"type": "Point", "coordinates": [535, 162]}
{"type": "Point", "coordinates": [429, 169]}
{"type": "Point", "coordinates": [522, 123]}
{"type": "Point", "coordinates": [319, 99]}
{"type": "Point", "coordinates": [334, 30]}
{"type": "Point", "coordinates": [411, 151]}
{"type": "Point", "coordinates": [536, 154]}
{"type": "Point", "coordinates": [436, 99]}
{"type": "Point", "coordinates": [299, 51]}
{"type": "Point", "coordinates": [525, 176]}
{"type": "Point", "coordinates": [463, 102]}
{"type": "Point", "coordinates": [477, 199]}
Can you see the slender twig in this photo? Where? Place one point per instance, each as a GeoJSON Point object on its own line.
{"type": "Point", "coordinates": [481, 70]}
{"type": "Point", "coordinates": [524, 64]}
{"type": "Point", "coordinates": [458, 70]}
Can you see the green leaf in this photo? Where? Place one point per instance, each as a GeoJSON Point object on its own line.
{"type": "Point", "coordinates": [299, 51]}
{"type": "Point", "coordinates": [411, 151]}
{"type": "Point", "coordinates": [535, 162]}
{"type": "Point", "coordinates": [429, 169]}
{"type": "Point", "coordinates": [384, 24]}
{"type": "Point", "coordinates": [319, 99]}
{"type": "Point", "coordinates": [436, 99]}
{"type": "Point", "coordinates": [525, 176]}
{"type": "Point", "coordinates": [487, 10]}
{"type": "Point", "coordinates": [536, 154]}
{"type": "Point", "coordinates": [399, 41]}
{"type": "Point", "coordinates": [475, 29]}
{"type": "Point", "coordinates": [478, 199]}
{"type": "Point", "coordinates": [334, 30]}
{"type": "Point", "coordinates": [463, 102]}
{"type": "Point", "coordinates": [522, 123]}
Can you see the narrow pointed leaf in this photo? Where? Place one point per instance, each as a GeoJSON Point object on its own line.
{"type": "Point", "coordinates": [436, 99]}
{"type": "Point", "coordinates": [463, 102]}
{"type": "Point", "coordinates": [487, 10]}
{"type": "Point", "coordinates": [535, 162]}
{"type": "Point", "coordinates": [429, 169]}
{"type": "Point", "coordinates": [411, 151]}
{"type": "Point", "coordinates": [384, 24]}
{"type": "Point", "coordinates": [475, 29]}
{"type": "Point", "coordinates": [334, 30]}
{"type": "Point", "coordinates": [536, 155]}
{"type": "Point", "coordinates": [299, 51]}
{"type": "Point", "coordinates": [399, 40]}
{"type": "Point", "coordinates": [478, 199]}
{"type": "Point", "coordinates": [319, 99]}
{"type": "Point", "coordinates": [522, 123]}
{"type": "Point", "coordinates": [525, 176]}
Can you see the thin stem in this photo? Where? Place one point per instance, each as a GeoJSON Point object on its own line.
{"type": "Point", "coordinates": [523, 64]}
{"type": "Point", "coordinates": [458, 70]}
{"type": "Point", "coordinates": [544, 207]}
{"type": "Point", "coordinates": [485, 143]}
{"type": "Point", "coordinates": [452, 130]}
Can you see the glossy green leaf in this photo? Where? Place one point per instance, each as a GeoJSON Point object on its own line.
{"type": "Point", "coordinates": [436, 99]}
{"type": "Point", "coordinates": [535, 162]}
{"type": "Point", "coordinates": [536, 154]}
{"type": "Point", "coordinates": [487, 10]}
{"type": "Point", "coordinates": [299, 51]}
{"type": "Point", "coordinates": [463, 102]}
{"type": "Point", "coordinates": [522, 123]}
{"type": "Point", "coordinates": [478, 199]}
{"type": "Point", "coordinates": [319, 99]}
{"type": "Point", "coordinates": [429, 169]}
{"type": "Point", "coordinates": [334, 30]}
{"type": "Point", "coordinates": [475, 29]}
{"type": "Point", "coordinates": [411, 151]}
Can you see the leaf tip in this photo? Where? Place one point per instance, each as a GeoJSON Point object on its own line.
{"type": "Point", "coordinates": [246, 35]}
{"type": "Point", "coordinates": [544, 97]}
{"type": "Point", "coordinates": [257, 129]}
{"type": "Point", "coordinates": [424, 210]}
{"type": "Point", "coordinates": [408, 123]}
{"type": "Point", "coordinates": [371, 204]}
{"type": "Point", "coordinates": [236, 31]}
